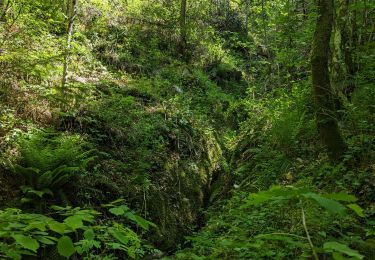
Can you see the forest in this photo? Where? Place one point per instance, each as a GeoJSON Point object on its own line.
{"type": "Point", "coordinates": [187, 129]}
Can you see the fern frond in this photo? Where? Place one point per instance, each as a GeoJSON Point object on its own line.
{"type": "Point", "coordinates": [30, 174]}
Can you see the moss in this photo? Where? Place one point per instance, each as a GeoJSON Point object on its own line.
{"type": "Point", "coordinates": [179, 195]}
{"type": "Point", "coordinates": [325, 108]}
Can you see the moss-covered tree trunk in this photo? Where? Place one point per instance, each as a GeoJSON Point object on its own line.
{"type": "Point", "coordinates": [325, 109]}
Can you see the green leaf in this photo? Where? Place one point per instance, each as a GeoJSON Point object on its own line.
{"type": "Point", "coordinates": [123, 210]}
{"type": "Point", "coordinates": [74, 222]}
{"type": "Point", "coordinates": [59, 208]}
{"type": "Point", "coordinates": [143, 223]}
{"type": "Point", "coordinates": [357, 209]}
{"type": "Point", "coordinates": [116, 246]}
{"type": "Point", "coordinates": [339, 256]}
{"type": "Point", "coordinates": [89, 234]}
{"type": "Point", "coordinates": [330, 205]}
{"type": "Point", "coordinates": [45, 240]}
{"type": "Point", "coordinates": [27, 242]}
{"type": "Point", "coordinates": [65, 246]}
{"type": "Point", "coordinates": [119, 211]}
{"type": "Point", "coordinates": [57, 227]}
{"type": "Point", "coordinates": [341, 196]}
{"type": "Point", "coordinates": [79, 250]}
{"type": "Point", "coordinates": [274, 193]}
{"type": "Point", "coordinates": [11, 254]}
{"type": "Point", "coordinates": [36, 225]}
{"type": "Point", "coordinates": [120, 236]}
{"type": "Point", "coordinates": [341, 248]}
{"type": "Point", "coordinates": [262, 196]}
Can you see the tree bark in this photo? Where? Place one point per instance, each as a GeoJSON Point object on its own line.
{"type": "Point", "coordinates": [72, 16]}
{"type": "Point", "coordinates": [325, 109]}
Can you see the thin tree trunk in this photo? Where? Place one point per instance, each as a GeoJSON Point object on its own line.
{"type": "Point", "coordinates": [4, 6]}
{"type": "Point", "coordinates": [348, 47]}
{"type": "Point", "coordinates": [325, 109]}
{"type": "Point", "coordinates": [183, 29]}
{"type": "Point", "coordinates": [73, 14]}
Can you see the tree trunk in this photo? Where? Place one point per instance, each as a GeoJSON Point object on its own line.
{"type": "Point", "coordinates": [348, 47]}
{"type": "Point", "coordinates": [4, 5]}
{"type": "Point", "coordinates": [325, 109]}
{"type": "Point", "coordinates": [72, 11]}
{"type": "Point", "coordinates": [183, 29]}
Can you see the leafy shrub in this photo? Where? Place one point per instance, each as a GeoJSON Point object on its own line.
{"type": "Point", "coordinates": [269, 224]}
{"type": "Point", "coordinates": [79, 233]}
{"type": "Point", "coordinates": [342, 176]}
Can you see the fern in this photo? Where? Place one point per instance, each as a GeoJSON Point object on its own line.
{"type": "Point", "coordinates": [49, 161]}
{"type": "Point", "coordinates": [47, 150]}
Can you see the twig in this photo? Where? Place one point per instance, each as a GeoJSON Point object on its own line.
{"type": "Point", "coordinates": [308, 236]}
